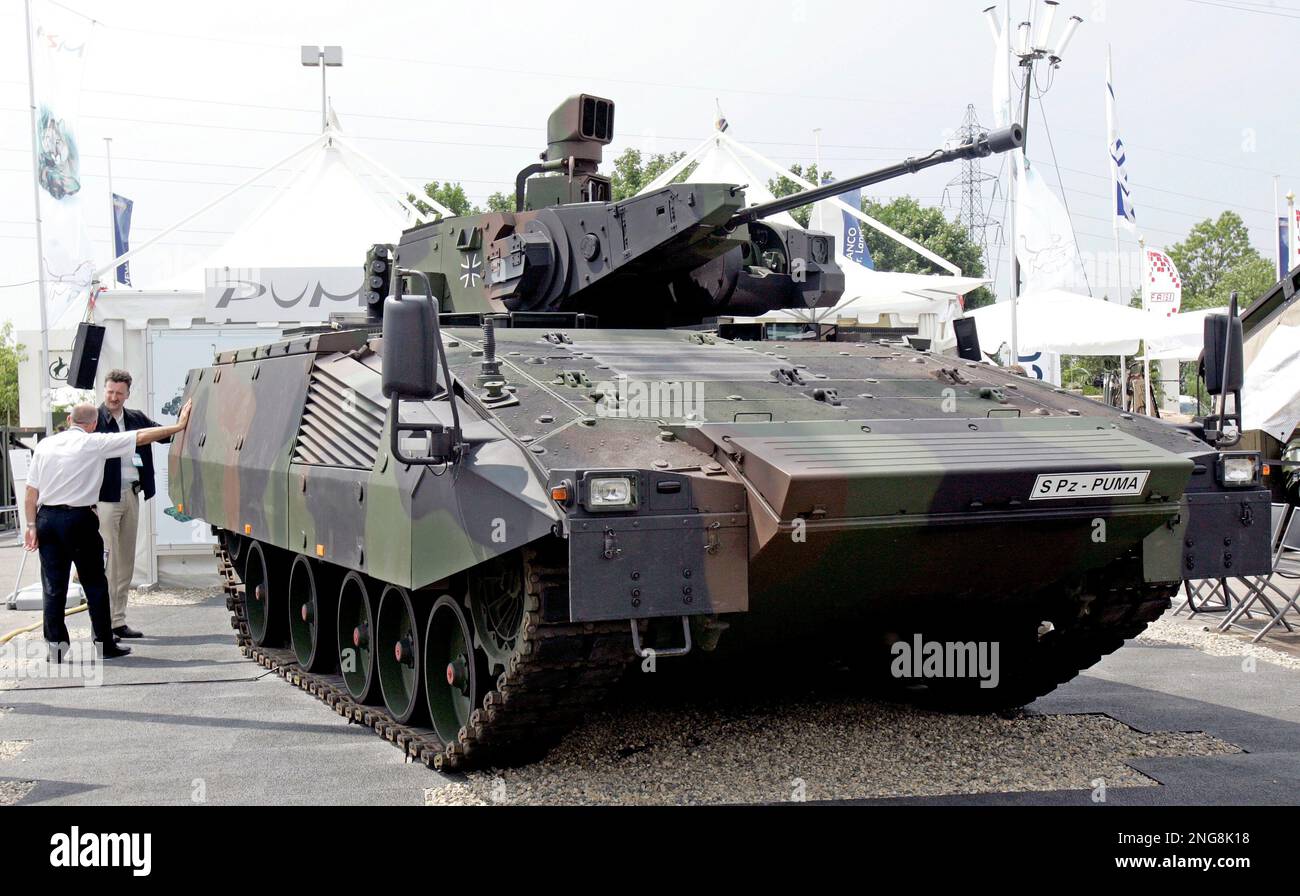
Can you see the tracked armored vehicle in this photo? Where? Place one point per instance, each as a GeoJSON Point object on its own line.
{"type": "Point", "coordinates": [461, 520]}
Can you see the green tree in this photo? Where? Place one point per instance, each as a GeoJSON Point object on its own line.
{"type": "Point", "coordinates": [450, 195]}
{"type": "Point", "coordinates": [500, 202]}
{"type": "Point", "coordinates": [929, 227]}
{"type": "Point", "coordinates": [784, 186]}
{"type": "Point", "coordinates": [11, 355]}
{"type": "Point", "coordinates": [1217, 258]}
{"type": "Point", "coordinates": [632, 171]}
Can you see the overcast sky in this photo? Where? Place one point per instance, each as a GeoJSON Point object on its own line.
{"type": "Point", "coordinates": [197, 96]}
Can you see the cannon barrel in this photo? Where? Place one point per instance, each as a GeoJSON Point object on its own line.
{"type": "Point", "coordinates": [986, 144]}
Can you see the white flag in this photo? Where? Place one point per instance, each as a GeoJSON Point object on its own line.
{"type": "Point", "coordinates": [1002, 79]}
{"type": "Point", "coordinates": [1044, 239]}
{"type": "Point", "coordinates": [1162, 288]}
{"type": "Point", "coordinates": [1122, 210]}
{"type": "Point", "coordinates": [1045, 245]}
{"type": "Point", "coordinates": [59, 42]}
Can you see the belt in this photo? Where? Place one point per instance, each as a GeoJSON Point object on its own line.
{"type": "Point", "coordinates": [67, 507]}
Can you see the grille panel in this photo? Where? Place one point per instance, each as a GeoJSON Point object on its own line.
{"type": "Point", "coordinates": [340, 426]}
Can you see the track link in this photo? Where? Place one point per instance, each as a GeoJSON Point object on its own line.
{"type": "Point", "coordinates": [557, 673]}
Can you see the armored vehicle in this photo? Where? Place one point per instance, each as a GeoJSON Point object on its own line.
{"type": "Point", "coordinates": [463, 519]}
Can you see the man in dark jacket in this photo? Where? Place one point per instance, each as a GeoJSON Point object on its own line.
{"type": "Point", "coordinates": [119, 498]}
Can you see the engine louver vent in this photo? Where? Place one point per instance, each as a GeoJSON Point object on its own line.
{"type": "Point", "coordinates": [340, 426]}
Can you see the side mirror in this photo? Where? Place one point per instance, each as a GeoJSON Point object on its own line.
{"type": "Point", "coordinates": [1224, 371]}
{"type": "Point", "coordinates": [410, 348]}
{"type": "Point", "coordinates": [412, 355]}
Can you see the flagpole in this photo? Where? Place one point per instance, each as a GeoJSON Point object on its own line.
{"type": "Point", "coordinates": [1277, 233]}
{"type": "Point", "coordinates": [1293, 238]}
{"type": "Point", "coordinates": [1011, 207]}
{"type": "Point", "coordinates": [46, 397]}
{"type": "Point", "coordinates": [1119, 290]}
{"type": "Point", "coordinates": [112, 211]}
{"type": "Point", "coordinates": [1146, 363]}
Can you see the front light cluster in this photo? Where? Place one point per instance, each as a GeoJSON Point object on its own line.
{"type": "Point", "coordinates": [1238, 470]}
{"type": "Point", "coordinates": [611, 491]}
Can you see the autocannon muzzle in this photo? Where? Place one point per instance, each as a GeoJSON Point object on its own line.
{"type": "Point", "coordinates": [987, 144]}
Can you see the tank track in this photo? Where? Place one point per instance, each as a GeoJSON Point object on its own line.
{"type": "Point", "coordinates": [1106, 619]}
{"type": "Point", "coordinates": [1113, 616]}
{"type": "Point", "coordinates": [557, 673]}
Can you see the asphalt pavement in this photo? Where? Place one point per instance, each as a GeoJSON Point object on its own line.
{"type": "Point", "coordinates": [186, 719]}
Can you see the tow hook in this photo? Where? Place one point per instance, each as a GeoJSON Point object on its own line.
{"type": "Point", "coordinates": [643, 653]}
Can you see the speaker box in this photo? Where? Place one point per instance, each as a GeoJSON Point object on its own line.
{"type": "Point", "coordinates": [85, 356]}
{"type": "Point", "coordinates": [968, 342]}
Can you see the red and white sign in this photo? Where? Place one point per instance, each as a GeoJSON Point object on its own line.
{"type": "Point", "coordinates": [1162, 288]}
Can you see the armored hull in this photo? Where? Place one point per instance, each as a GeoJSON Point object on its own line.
{"type": "Point", "coordinates": [845, 496]}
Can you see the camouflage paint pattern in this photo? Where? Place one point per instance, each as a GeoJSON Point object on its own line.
{"type": "Point", "coordinates": [918, 462]}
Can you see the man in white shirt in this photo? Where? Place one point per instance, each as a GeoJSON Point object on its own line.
{"type": "Point", "coordinates": [65, 477]}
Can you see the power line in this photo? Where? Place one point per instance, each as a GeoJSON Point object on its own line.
{"type": "Point", "coordinates": [584, 77]}
{"type": "Point", "coordinates": [1042, 111]}
{"type": "Point", "coordinates": [1275, 11]}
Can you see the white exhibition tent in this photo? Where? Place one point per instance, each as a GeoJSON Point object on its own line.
{"type": "Point", "coordinates": [336, 203]}
{"type": "Point", "coordinates": [1179, 337]}
{"type": "Point", "coordinates": [310, 233]}
{"type": "Point", "coordinates": [1271, 392]}
{"type": "Point", "coordinates": [720, 158]}
{"type": "Point", "coordinates": [1064, 322]}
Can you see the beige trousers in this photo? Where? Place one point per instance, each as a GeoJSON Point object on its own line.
{"type": "Point", "coordinates": [118, 521]}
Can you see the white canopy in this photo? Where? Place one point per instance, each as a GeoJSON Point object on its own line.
{"type": "Point", "coordinates": [1180, 337]}
{"type": "Point", "coordinates": [335, 205]}
{"type": "Point", "coordinates": [1271, 392]}
{"type": "Point", "coordinates": [869, 294]}
{"type": "Point", "coordinates": [1270, 396]}
{"type": "Point", "coordinates": [326, 216]}
{"type": "Point", "coordinates": [1064, 322]}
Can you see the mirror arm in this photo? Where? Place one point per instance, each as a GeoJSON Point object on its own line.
{"type": "Point", "coordinates": [445, 444]}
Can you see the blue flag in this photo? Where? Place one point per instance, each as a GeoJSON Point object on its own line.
{"type": "Point", "coordinates": [855, 241]}
{"type": "Point", "coordinates": [1283, 247]}
{"type": "Point", "coordinates": [1122, 212]}
{"type": "Point", "coordinates": [852, 241]}
{"type": "Point", "coordinates": [122, 235]}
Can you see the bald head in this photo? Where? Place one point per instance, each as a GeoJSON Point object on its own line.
{"type": "Point", "coordinates": [84, 415]}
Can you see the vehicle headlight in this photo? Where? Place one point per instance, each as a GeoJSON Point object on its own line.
{"type": "Point", "coordinates": [1237, 470]}
{"type": "Point", "coordinates": [609, 492]}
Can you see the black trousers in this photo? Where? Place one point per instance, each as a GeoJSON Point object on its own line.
{"type": "Point", "coordinates": [69, 536]}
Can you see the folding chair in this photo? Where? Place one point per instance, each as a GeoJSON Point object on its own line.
{"type": "Point", "coordinates": [1212, 594]}
{"type": "Point", "coordinates": [1286, 564]}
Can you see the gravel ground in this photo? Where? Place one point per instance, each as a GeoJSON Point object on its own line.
{"type": "Point", "coordinates": [13, 791]}
{"type": "Point", "coordinates": [758, 751]}
{"type": "Point", "coordinates": [11, 748]}
{"type": "Point", "coordinates": [169, 597]}
{"type": "Point", "coordinates": [1191, 632]}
